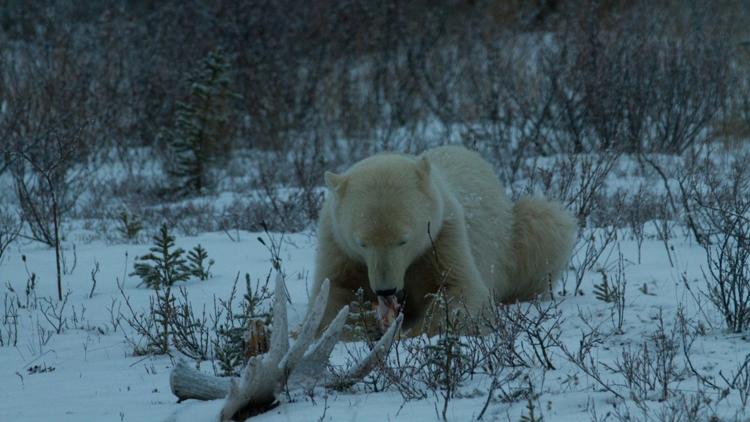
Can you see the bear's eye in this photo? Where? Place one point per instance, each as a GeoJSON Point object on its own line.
{"type": "Point", "coordinates": [402, 243]}
{"type": "Point", "coordinates": [361, 244]}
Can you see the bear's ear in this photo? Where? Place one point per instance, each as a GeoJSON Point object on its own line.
{"type": "Point", "coordinates": [423, 168]}
{"type": "Point", "coordinates": [335, 182]}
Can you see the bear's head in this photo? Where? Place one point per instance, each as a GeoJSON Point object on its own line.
{"type": "Point", "coordinates": [384, 210]}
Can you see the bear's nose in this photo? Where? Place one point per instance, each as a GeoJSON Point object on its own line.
{"type": "Point", "coordinates": [389, 292]}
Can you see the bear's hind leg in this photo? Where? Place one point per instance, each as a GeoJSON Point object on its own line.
{"type": "Point", "coordinates": [542, 241]}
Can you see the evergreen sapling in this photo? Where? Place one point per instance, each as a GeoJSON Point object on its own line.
{"type": "Point", "coordinates": [201, 128]}
{"type": "Point", "coordinates": [164, 265]}
{"type": "Point", "coordinates": [199, 264]}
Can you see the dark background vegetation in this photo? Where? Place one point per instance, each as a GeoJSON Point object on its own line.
{"type": "Point", "coordinates": [308, 86]}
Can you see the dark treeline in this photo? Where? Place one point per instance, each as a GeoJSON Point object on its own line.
{"type": "Point", "coordinates": [298, 87]}
{"type": "Point", "coordinates": [347, 69]}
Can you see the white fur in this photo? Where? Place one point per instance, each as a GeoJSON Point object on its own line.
{"type": "Point", "coordinates": [373, 233]}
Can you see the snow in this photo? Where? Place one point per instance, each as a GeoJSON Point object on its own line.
{"type": "Point", "coordinates": [96, 377]}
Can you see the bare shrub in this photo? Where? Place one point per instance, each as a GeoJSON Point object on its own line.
{"type": "Point", "coordinates": [657, 368]}
{"type": "Point", "coordinates": [648, 370]}
{"type": "Point", "coordinates": [643, 206]}
{"type": "Point", "coordinates": [528, 333]}
{"type": "Point", "coordinates": [645, 372]}
{"type": "Point", "coordinates": [578, 181]}
{"type": "Point", "coordinates": [515, 82]}
{"type": "Point", "coordinates": [591, 249]}
{"type": "Point", "coordinates": [191, 331]}
{"type": "Point", "coordinates": [612, 290]}
{"type": "Point", "coordinates": [507, 343]}
{"type": "Point", "coordinates": [94, 272]}
{"type": "Point", "coordinates": [627, 82]}
{"type": "Point", "coordinates": [664, 224]}
{"type": "Point", "coordinates": [671, 170]}
{"type": "Point", "coordinates": [10, 228]}
{"type": "Point", "coordinates": [723, 205]}
{"type": "Point", "coordinates": [9, 328]}
{"type": "Point", "coordinates": [585, 361]}
{"type": "Point", "coordinates": [692, 407]}
{"type": "Point", "coordinates": [508, 115]}
{"type": "Point", "coordinates": [47, 184]}
{"type": "Point", "coordinates": [152, 326]}
{"type": "Point", "coordinates": [290, 201]}
{"type": "Point", "coordinates": [728, 277]}
{"type": "Point", "coordinates": [691, 92]}
{"type": "Point", "coordinates": [216, 334]}
{"type": "Point", "coordinates": [230, 344]}
{"type": "Point", "coordinates": [442, 363]}
{"type": "Point", "coordinates": [54, 312]}
{"type": "Point", "coordinates": [739, 380]}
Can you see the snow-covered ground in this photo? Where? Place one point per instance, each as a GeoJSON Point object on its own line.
{"type": "Point", "coordinates": [88, 371]}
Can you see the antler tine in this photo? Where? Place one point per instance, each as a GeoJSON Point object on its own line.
{"type": "Point", "coordinates": [307, 331]}
{"type": "Point", "coordinates": [366, 365]}
{"type": "Point", "coordinates": [261, 376]}
{"type": "Point", "coordinates": [279, 344]}
{"type": "Point", "coordinates": [307, 372]}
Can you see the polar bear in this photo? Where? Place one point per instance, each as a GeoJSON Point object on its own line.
{"type": "Point", "coordinates": [400, 226]}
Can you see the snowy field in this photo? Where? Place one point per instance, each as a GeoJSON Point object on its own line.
{"type": "Point", "coordinates": [87, 372]}
{"type": "Point", "coordinates": [217, 121]}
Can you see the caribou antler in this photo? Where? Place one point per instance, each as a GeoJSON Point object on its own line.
{"type": "Point", "coordinates": [304, 364]}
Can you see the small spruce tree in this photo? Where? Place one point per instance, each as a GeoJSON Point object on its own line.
{"type": "Point", "coordinates": [129, 226]}
{"type": "Point", "coordinates": [531, 416]}
{"type": "Point", "coordinates": [199, 264]}
{"type": "Point", "coordinates": [199, 137]}
{"type": "Point", "coordinates": [164, 265]}
{"type": "Point", "coordinates": [603, 291]}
